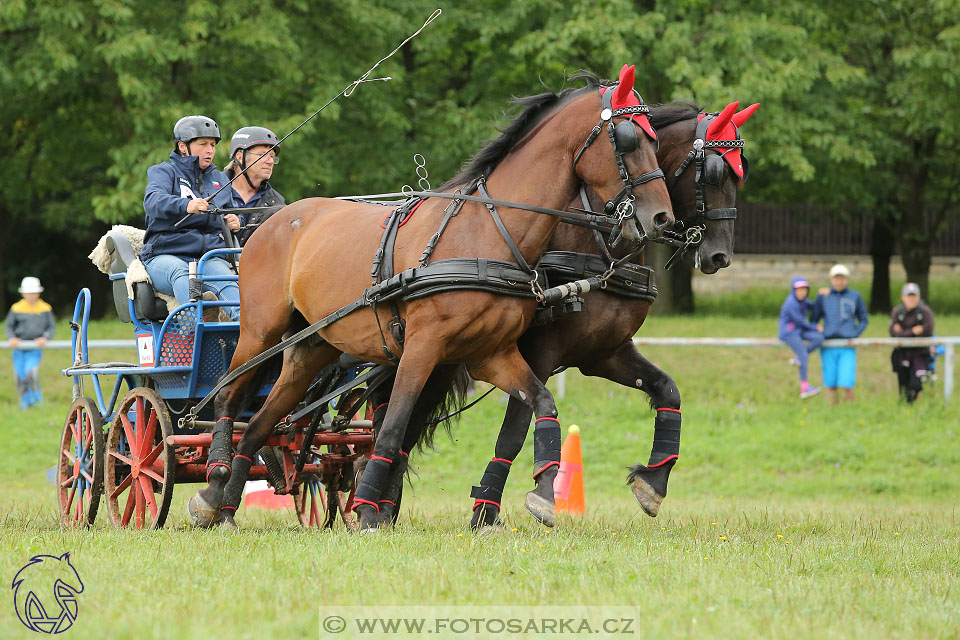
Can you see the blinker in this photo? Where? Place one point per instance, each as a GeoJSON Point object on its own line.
{"type": "Point", "coordinates": [625, 133]}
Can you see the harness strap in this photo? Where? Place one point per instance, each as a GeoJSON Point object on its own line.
{"type": "Point", "coordinates": [450, 212]}
{"type": "Point", "coordinates": [482, 190]}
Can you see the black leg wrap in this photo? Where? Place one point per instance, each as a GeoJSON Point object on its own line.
{"type": "Point", "coordinates": [221, 445]}
{"type": "Point", "coordinates": [546, 444]}
{"type": "Point", "coordinates": [492, 483]}
{"type": "Point", "coordinates": [371, 483]}
{"type": "Point", "coordinates": [666, 436]}
{"type": "Point", "coordinates": [233, 492]}
{"type": "Point", "coordinates": [394, 485]}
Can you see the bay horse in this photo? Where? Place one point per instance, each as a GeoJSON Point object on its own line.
{"type": "Point", "coordinates": [311, 261]}
{"type": "Point", "coordinates": [598, 339]}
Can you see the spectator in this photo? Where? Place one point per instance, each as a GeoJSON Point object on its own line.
{"type": "Point", "coordinates": [844, 316]}
{"type": "Point", "coordinates": [29, 319]}
{"type": "Point", "coordinates": [911, 319]}
{"type": "Point", "coordinates": [795, 330]}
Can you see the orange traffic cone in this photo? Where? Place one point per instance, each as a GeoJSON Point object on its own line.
{"type": "Point", "coordinates": [568, 485]}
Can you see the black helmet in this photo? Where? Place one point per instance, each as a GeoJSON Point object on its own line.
{"type": "Point", "coordinates": [192, 127]}
{"type": "Point", "coordinates": [247, 137]}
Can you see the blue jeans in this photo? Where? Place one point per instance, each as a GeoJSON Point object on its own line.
{"type": "Point", "coordinates": [171, 276]}
{"type": "Point", "coordinates": [795, 340]}
{"type": "Point", "coordinates": [26, 367]}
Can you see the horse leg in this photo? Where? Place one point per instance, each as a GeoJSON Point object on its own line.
{"type": "Point", "coordinates": [415, 367]}
{"type": "Point", "coordinates": [628, 367]}
{"type": "Point", "coordinates": [508, 371]}
{"type": "Point", "coordinates": [301, 363]}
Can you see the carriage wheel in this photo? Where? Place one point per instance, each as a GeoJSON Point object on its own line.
{"type": "Point", "coordinates": [311, 502]}
{"type": "Point", "coordinates": [134, 443]}
{"type": "Point", "coordinates": [80, 468]}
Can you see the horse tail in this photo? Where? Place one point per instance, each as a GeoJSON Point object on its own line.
{"type": "Point", "coordinates": [440, 401]}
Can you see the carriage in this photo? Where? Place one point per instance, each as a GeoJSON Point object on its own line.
{"type": "Point", "coordinates": [132, 446]}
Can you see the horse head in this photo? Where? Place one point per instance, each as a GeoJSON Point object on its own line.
{"type": "Point", "coordinates": [703, 158]}
{"type": "Point", "coordinates": [625, 174]}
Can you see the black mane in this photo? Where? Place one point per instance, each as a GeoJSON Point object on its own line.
{"type": "Point", "coordinates": [533, 108]}
{"type": "Point", "coordinates": [664, 115]}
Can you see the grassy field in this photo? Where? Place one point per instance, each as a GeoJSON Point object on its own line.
{"type": "Point", "coordinates": [785, 518]}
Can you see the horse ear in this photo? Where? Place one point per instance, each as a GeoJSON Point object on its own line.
{"type": "Point", "coordinates": [65, 556]}
{"type": "Point", "coordinates": [739, 118]}
{"type": "Point", "coordinates": [625, 88]}
{"type": "Point", "coordinates": [722, 120]}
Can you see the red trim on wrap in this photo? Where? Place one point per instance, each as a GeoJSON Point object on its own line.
{"type": "Point", "coordinates": [240, 455]}
{"type": "Point", "coordinates": [404, 454]}
{"type": "Point", "coordinates": [225, 418]}
{"type": "Point", "coordinates": [357, 500]}
{"type": "Point", "coordinates": [480, 502]}
{"type": "Point", "coordinates": [216, 464]}
{"type": "Point", "coordinates": [228, 509]}
{"type": "Point", "coordinates": [381, 406]}
{"type": "Point", "coordinates": [503, 460]}
{"type": "Point", "coordinates": [546, 418]}
{"type": "Point", "coordinates": [390, 501]}
{"type": "Point", "coordinates": [666, 409]}
{"type": "Point", "coordinates": [387, 460]}
{"type": "Point", "coordinates": [663, 462]}
{"type": "Point", "coordinates": [547, 466]}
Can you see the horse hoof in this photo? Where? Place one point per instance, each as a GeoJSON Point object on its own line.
{"type": "Point", "coordinates": [541, 509]}
{"type": "Point", "coordinates": [201, 514]}
{"type": "Point", "coordinates": [647, 497]}
{"type": "Point", "coordinates": [225, 521]}
{"type": "Point", "coordinates": [485, 516]}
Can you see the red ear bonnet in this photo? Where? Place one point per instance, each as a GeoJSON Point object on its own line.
{"type": "Point", "coordinates": [724, 127]}
{"type": "Point", "coordinates": [625, 96]}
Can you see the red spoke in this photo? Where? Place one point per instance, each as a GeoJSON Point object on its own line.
{"type": "Point", "coordinates": [149, 433]}
{"type": "Point", "coordinates": [73, 492]}
{"type": "Point", "coordinates": [147, 487]}
{"type": "Point", "coordinates": [73, 426]}
{"type": "Point", "coordinates": [121, 487]}
{"type": "Point", "coordinates": [87, 432]}
{"type": "Point", "coordinates": [68, 481]}
{"type": "Point", "coordinates": [314, 514]}
{"type": "Point", "coordinates": [150, 457]}
{"type": "Point", "coordinates": [138, 490]}
{"type": "Point", "coordinates": [122, 458]}
{"type": "Point", "coordinates": [69, 457]}
{"type": "Point", "coordinates": [128, 509]}
{"type": "Point", "coordinates": [323, 497]}
{"type": "Point", "coordinates": [141, 426]}
{"type": "Point", "coordinates": [153, 474]}
{"type": "Point", "coordinates": [128, 431]}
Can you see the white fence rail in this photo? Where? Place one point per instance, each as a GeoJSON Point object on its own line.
{"type": "Point", "coordinates": [950, 343]}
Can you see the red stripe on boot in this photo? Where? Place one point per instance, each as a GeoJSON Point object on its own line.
{"type": "Point", "coordinates": [551, 464]}
{"type": "Point", "coordinates": [480, 502]}
{"type": "Point", "coordinates": [362, 501]}
{"type": "Point", "coordinates": [663, 462]}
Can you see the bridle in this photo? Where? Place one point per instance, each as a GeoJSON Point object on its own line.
{"type": "Point", "coordinates": [624, 140]}
{"type": "Point", "coordinates": [710, 169]}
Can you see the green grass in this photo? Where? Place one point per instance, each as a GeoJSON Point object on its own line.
{"type": "Point", "coordinates": [863, 495]}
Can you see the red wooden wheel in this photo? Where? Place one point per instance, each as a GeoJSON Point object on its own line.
{"type": "Point", "coordinates": [80, 467]}
{"type": "Point", "coordinates": [139, 462]}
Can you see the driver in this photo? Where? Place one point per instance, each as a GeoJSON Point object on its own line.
{"type": "Point", "coordinates": [180, 186]}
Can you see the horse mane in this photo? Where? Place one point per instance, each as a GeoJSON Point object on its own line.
{"type": "Point", "coordinates": [664, 115]}
{"type": "Point", "coordinates": [533, 108]}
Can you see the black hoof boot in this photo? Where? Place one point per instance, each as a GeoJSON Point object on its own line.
{"type": "Point", "coordinates": [225, 520]}
{"type": "Point", "coordinates": [540, 502]}
{"type": "Point", "coordinates": [485, 515]}
{"type": "Point", "coordinates": [649, 485]}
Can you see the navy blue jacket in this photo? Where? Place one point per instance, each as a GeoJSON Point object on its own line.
{"type": "Point", "coordinates": [793, 313]}
{"type": "Point", "coordinates": [170, 186]}
{"type": "Point", "coordinates": [843, 312]}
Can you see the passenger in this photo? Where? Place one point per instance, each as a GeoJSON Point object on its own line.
{"type": "Point", "coordinates": [251, 147]}
{"type": "Point", "coordinates": [912, 319]}
{"type": "Point", "coordinates": [183, 185]}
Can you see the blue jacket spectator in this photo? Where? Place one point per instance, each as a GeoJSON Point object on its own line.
{"type": "Point", "coordinates": [793, 313]}
{"type": "Point", "coordinates": [844, 314]}
{"type": "Point", "coordinates": [170, 186]}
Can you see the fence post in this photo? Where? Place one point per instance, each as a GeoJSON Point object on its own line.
{"type": "Point", "coordinates": [948, 371]}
